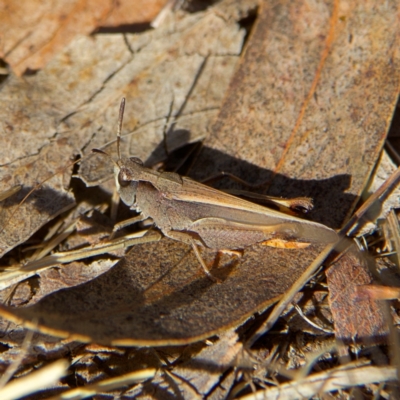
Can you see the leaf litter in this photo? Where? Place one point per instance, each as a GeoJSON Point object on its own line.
{"type": "Point", "coordinates": [34, 32]}
{"type": "Point", "coordinates": [92, 120]}
{"type": "Point", "coordinates": [78, 115]}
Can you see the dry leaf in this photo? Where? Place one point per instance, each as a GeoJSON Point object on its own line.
{"type": "Point", "coordinates": [316, 83]}
{"type": "Point", "coordinates": [32, 31]}
{"type": "Point", "coordinates": [318, 384]}
{"type": "Point", "coordinates": [198, 373]}
{"type": "Point", "coordinates": [300, 113]}
{"type": "Point", "coordinates": [357, 317]}
{"type": "Point", "coordinates": [159, 295]}
{"type": "Point", "coordinates": [139, 13]}
{"type": "Point", "coordinates": [171, 82]}
{"type": "Point", "coordinates": [384, 169]}
{"type": "Point", "coordinates": [309, 109]}
{"type": "Point", "coordinates": [213, 360]}
{"type": "Point", "coordinates": [43, 347]}
{"type": "Point", "coordinates": [69, 276]}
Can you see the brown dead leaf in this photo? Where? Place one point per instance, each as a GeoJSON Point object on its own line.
{"type": "Point", "coordinates": [43, 347]}
{"type": "Point", "coordinates": [214, 360]}
{"type": "Point", "coordinates": [296, 98]}
{"type": "Point", "coordinates": [126, 12]}
{"type": "Point", "coordinates": [309, 114]}
{"type": "Point", "coordinates": [302, 113]}
{"type": "Point", "coordinates": [159, 295]}
{"type": "Point", "coordinates": [32, 32]}
{"type": "Point", "coordinates": [45, 201]}
{"type": "Point", "coordinates": [356, 317]}
{"type": "Point", "coordinates": [199, 372]}
{"type": "Point", "coordinates": [173, 84]}
{"type": "Point", "coordinates": [384, 169]}
{"type": "Point", "coordinates": [68, 276]}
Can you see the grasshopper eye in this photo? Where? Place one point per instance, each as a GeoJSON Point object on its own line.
{"type": "Point", "coordinates": [123, 182]}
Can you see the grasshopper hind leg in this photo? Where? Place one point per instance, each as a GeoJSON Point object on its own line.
{"type": "Point", "coordinates": [202, 263]}
{"type": "Point", "coordinates": [186, 238]}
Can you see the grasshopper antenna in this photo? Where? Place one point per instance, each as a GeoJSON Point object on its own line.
{"type": "Point", "coordinates": [120, 118]}
{"type": "Point", "coordinates": [119, 128]}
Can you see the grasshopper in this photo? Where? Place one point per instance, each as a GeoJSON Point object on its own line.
{"type": "Point", "coordinates": [199, 215]}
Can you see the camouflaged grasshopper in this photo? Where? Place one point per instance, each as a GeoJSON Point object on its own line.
{"type": "Point", "coordinates": [196, 214]}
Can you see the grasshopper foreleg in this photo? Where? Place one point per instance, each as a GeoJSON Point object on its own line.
{"type": "Point", "coordinates": [125, 223]}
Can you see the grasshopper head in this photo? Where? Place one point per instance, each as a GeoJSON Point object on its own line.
{"type": "Point", "coordinates": [127, 175]}
{"type": "Point", "coordinates": [127, 171]}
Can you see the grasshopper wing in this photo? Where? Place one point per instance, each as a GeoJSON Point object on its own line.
{"type": "Point", "coordinates": [233, 213]}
